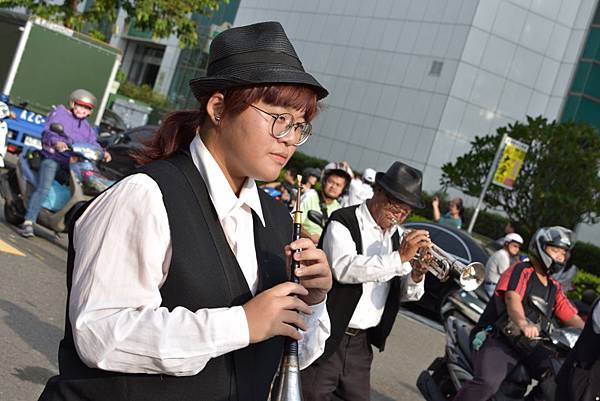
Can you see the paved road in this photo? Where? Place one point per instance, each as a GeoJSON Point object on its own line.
{"type": "Point", "coordinates": [32, 299]}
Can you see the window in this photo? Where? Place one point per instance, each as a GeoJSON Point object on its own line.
{"type": "Point", "coordinates": [436, 68]}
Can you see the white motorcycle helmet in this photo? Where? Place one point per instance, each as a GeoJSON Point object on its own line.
{"type": "Point", "coordinates": [555, 236]}
{"type": "Point", "coordinates": [338, 168]}
{"type": "Point", "coordinates": [82, 97]}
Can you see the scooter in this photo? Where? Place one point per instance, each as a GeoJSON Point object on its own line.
{"type": "Point", "coordinates": [84, 181]}
{"type": "Point", "coordinates": [446, 375]}
{"type": "Point", "coordinates": [4, 113]}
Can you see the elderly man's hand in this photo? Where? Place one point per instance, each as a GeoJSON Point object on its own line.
{"type": "Point", "coordinates": [412, 242]}
{"type": "Point", "coordinates": [418, 271]}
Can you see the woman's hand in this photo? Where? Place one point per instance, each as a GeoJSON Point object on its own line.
{"type": "Point", "coordinates": [314, 272]}
{"type": "Point", "coordinates": [107, 157]}
{"type": "Point", "coordinates": [274, 312]}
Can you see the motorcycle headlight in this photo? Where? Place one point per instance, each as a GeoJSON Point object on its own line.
{"type": "Point", "coordinates": [4, 110]}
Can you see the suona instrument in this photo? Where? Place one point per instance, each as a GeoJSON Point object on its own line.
{"type": "Point", "coordinates": [286, 385]}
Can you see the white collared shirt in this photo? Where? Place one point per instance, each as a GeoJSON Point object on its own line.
{"type": "Point", "coordinates": [122, 258]}
{"type": "Point", "coordinates": [374, 268]}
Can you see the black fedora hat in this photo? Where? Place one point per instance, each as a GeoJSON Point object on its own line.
{"type": "Point", "coordinates": [253, 55]}
{"type": "Point", "coordinates": [403, 183]}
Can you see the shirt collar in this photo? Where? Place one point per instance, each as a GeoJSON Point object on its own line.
{"type": "Point", "coordinates": [218, 186]}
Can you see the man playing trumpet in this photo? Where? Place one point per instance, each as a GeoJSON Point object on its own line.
{"type": "Point", "coordinates": [369, 256]}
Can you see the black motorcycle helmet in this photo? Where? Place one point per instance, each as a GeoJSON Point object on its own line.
{"type": "Point", "coordinates": [554, 236]}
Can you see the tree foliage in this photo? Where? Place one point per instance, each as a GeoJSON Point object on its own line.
{"type": "Point", "coordinates": [161, 17]}
{"type": "Point", "coordinates": [559, 183]}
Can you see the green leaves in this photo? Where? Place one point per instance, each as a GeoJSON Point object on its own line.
{"type": "Point", "coordinates": [558, 183]}
{"type": "Point", "coordinates": [160, 17]}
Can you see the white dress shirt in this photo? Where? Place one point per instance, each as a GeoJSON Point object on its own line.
{"type": "Point", "coordinates": [122, 257]}
{"type": "Point", "coordinates": [374, 268]}
{"type": "Point", "coordinates": [358, 192]}
{"type": "Point", "coordinates": [596, 318]}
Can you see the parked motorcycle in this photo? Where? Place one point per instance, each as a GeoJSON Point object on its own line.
{"type": "Point", "coordinates": [446, 375]}
{"type": "Point", "coordinates": [84, 180]}
{"type": "Point", "coordinates": [4, 113]}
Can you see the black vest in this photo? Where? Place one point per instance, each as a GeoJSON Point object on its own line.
{"type": "Point", "coordinates": [343, 298]}
{"type": "Point", "coordinates": [204, 273]}
{"type": "Point", "coordinates": [579, 377]}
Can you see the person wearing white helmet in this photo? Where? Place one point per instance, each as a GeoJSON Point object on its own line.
{"type": "Point", "coordinates": [501, 260]}
{"type": "Point", "coordinates": [335, 179]}
{"type": "Point", "coordinates": [361, 189]}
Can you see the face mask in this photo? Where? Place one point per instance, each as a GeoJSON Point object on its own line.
{"type": "Point", "coordinates": [555, 267]}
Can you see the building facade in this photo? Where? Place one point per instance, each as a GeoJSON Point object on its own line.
{"type": "Point", "coordinates": [417, 80]}
{"type": "Point", "coordinates": [161, 63]}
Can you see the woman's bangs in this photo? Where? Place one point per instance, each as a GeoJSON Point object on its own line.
{"type": "Point", "coordinates": [297, 97]}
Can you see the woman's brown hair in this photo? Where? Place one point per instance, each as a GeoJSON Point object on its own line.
{"type": "Point", "coordinates": [179, 128]}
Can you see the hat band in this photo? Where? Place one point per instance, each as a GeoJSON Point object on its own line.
{"type": "Point", "coordinates": [264, 56]}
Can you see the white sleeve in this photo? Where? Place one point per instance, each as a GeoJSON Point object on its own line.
{"type": "Point", "coordinates": [411, 291]}
{"type": "Point", "coordinates": [349, 267]}
{"type": "Point", "coordinates": [596, 318]}
{"type": "Point", "coordinates": [122, 256]}
{"type": "Point", "coordinates": [312, 344]}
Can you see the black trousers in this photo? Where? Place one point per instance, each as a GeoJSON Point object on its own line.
{"type": "Point", "coordinates": [491, 364]}
{"type": "Point", "coordinates": [345, 375]}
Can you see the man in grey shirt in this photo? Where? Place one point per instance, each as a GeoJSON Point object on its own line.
{"type": "Point", "coordinates": [501, 260]}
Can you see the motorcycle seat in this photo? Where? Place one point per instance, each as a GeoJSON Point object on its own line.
{"type": "Point", "coordinates": [462, 335]}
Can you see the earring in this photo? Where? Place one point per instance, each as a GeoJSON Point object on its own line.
{"type": "Point", "coordinates": [218, 118]}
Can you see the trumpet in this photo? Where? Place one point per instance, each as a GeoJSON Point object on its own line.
{"type": "Point", "coordinates": [443, 266]}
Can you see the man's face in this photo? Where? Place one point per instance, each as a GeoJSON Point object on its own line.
{"type": "Point", "coordinates": [289, 177]}
{"type": "Point", "coordinates": [334, 186]}
{"type": "Point", "coordinates": [558, 254]}
{"type": "Point", "coordinates": [388, 212]}
{"type": "Point", "coordinates": [513, 248]}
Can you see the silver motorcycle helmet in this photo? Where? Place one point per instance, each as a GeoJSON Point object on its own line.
{"type": "Point", "coordinates": [554, 236]}
{"type": "Point", "coordinates": [82, 97]}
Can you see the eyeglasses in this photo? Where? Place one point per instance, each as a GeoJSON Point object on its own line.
{"type": "Point", "coordinates": [283, 124]}
{"type": "Point", "coordinates": [396, 206]}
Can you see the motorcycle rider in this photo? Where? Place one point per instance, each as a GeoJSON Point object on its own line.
{"type": "Point", "coordinates": [501, 260]}
{"type": "Point", "coordinates": [511, 305]}
{"type": "Point", "coordinates": [76, 130]}
{"type": "Point", "coordinates": [335, 178]}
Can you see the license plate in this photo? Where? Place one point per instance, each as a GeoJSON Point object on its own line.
{"type": "Point", "coordinates": [33, 142]}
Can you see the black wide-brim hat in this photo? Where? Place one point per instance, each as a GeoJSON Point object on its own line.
{"type": "Point", "coordinates": [253, 55]}
{"type": "Point", "coordinates": [403, 183]}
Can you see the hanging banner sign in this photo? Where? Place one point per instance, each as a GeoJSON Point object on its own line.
{"type": "Point", "coordinates": [509, 165]}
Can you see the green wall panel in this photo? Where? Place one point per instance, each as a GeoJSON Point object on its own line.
{"type": "Point", "coordinates": [55, 64]}
{"type": "Point", "coordinates": [570, 109]}
{"type": "Point", "coordinates": [592, 45]}
{"type": "Point", "coordinates": [581, 76]}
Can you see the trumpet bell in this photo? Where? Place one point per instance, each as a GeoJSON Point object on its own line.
{"type": "Point", "coordinates": [471, 276]}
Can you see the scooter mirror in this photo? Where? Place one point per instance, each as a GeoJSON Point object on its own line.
{"type": "Point", "coordinates": [58, 128]}
{"type": "Point", "coordinates": [316, 217]}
